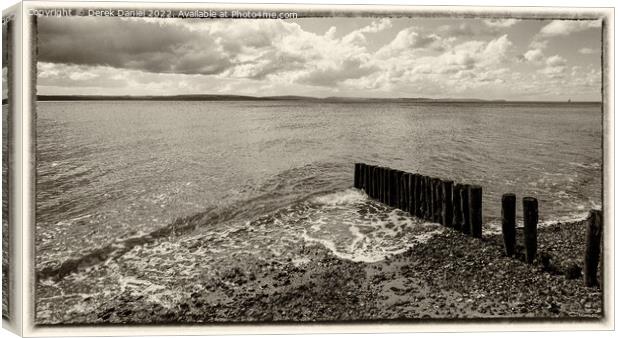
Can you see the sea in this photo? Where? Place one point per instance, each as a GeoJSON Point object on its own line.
{"type": "Point", "coordinates": [266, 177]}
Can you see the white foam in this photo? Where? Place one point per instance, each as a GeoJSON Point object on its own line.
{"type": "Point", "coordinates": [376, 253]}
{"type": "Point", "coordinates": [348, 196]}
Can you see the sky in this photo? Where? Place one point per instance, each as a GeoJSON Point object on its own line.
{"type": "Point", "coordinates": [355, 57]}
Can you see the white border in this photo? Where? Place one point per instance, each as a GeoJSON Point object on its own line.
{"type": "Point", "coordinates": [28, 179]}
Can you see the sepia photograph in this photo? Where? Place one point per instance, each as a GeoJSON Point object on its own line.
{"type": "Point", "coordinates": [220, 165]}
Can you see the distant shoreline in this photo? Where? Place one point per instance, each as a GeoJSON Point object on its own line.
{"type": "Point", "coordinates": [44, 98]}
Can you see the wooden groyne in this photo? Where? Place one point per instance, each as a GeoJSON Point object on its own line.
{"type": "Point", "coordinates": [459, 206]}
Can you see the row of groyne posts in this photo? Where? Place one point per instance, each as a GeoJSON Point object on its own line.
{"type": "Point", "coordinates": [459, 206]}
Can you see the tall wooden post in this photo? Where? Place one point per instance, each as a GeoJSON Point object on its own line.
{"type": "Point", "coordinates": [421, 196]}
{"type": "Point", "coordinates": [375, 182]}
{"type": "Point", "coordinates": [386, 185]}
{"type": "Point", "coordinates": [371, 180]}
{"type": "Point", "coordinates": [429, 198]}
{"type": "Point", "coordinates": [509, 202]}
{"type": "Point", "coordinates": [363, 176]}
{"type": "Point", "coordinates": [399, 176]}
{"type": "Point", "coordinates": [457, 211]}
{"type": "Point", "coordinates": [437, 202]}
{"type": "Point", "coordinates": [356, 176]}
{"type": "Point", "coordinates": [403, 201]}
{"type": "Point", "coordinates": [475, 210]}
{"type": "Point", "coordinates": [433, 201]}
{"type": "Point", "coordinates": [447, 200]}
{"type": "Point", "coordinates": [466, 225]}
{"type": "Point", "coordinates": [415, 197]}
{"type": "Point", "coordinates": [381, 184]}
{"type": "Point", "coordinates": [594, 234]}
{"type": "Point", "coordinates": [530, 227]}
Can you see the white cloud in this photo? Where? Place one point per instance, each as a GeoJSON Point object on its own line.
{"type": "Point", "coordinates": [556, 60]}
{"type": "Point", "coordinates": [534, 55]}
{"type": "Point", "coordinates": [567, 27]}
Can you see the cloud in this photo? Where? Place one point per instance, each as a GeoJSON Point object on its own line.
{"type": "Point", "coordinates": [275, 57]}
{"type": "Point", "coordinates": [567, 27]}
{"type": "Point", "coordinates": [503, 23]}
{"type": "Point", "coordinates": [331, 76]}
{"type": "Point", "coordinates": [539, 44]}
{"type": "Point", "coordinates": [152, 46]}
{"type": "Point", "coordinates": [555, 61]}
{"type": "Point", "coordinates": [407, 40]}
{"type": "Point", "coordinates": [587, 51]}
{"type": "Point", "coordinates": [534, 55]}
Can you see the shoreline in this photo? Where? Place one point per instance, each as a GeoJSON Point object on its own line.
{"type": "Point", "coordinates": [451, 276]}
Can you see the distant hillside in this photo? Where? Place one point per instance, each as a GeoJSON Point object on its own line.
{"type": "Point", "coordinates": [201, 97]}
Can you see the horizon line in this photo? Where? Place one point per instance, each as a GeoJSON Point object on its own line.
{"type": "Point", "coordinates": [292, 97]}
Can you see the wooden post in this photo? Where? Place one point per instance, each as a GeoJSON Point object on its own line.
{"type": "Point", "coordinates": [396, 198]}
{"type": "Point", "coordinates": [405, 191]}
{"type": "Point", "coordinates": [447, 203]}
{"type": "Point", "coordinates": [401, 174]}
{"type": "Point", "coordinates": [437, 201]}
{"type": "Point", "coordinates": [509, 202]}
{"type": "Point", "coordinates": [432, 202]}
{"type": "Point", "coordinates": [593, 248]}
{"type": "Point", "coordinates": [475, 211]}
{"type": "Point", "coordinates": [380, 186]}
{"type": "Point", "coordinates": [373, 181]}
{"type": "Point", "coordinates": [370, 180]}
{"type": "Point", "coordinates": [414, 186]}
{"type": "Point", "coordinates": [530, 224]}
{"type": "Point", "coordinates": [366, 178]}
{"type": "Point", "coordinates": [466, 225]}
{"type": "Point", "coordinates": [401, 191]}
{"type": "Point", "coordinates": [386, 184]}
{"type": "Point", "coordinates": [356, 175]}
{"type": "Point", "coordinates": [363, 176]}
{"type": "Point", "coordinates": [421, 196]}
{"type": "Point", "coordinates": [428, 215]}
{"type": "Point", "coordinates": [457, 210]}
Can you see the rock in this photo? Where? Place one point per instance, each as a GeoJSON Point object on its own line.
{"type": "Point", "coordinates": [572, 270]}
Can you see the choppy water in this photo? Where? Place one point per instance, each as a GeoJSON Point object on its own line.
{"type": "Point", "coordinates": [271, 175]}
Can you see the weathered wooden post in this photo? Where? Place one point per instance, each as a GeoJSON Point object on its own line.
{"type": "Point", "coordinates": [457, 211]}
{"type": "Point", "coordinates": [530, 224]}
{"type": "Point", "coordinates": [466, 225]}
{"type": "Point", "coordinates": [396, 183]}
{"type": "Point", "coordinates": [432, 202]}
{"type": "Point", "coordinates": [380, 179]}
{"type": "Point", "coordinates": [414, 186]}
{"type": "Point", "coordinates": [421, 196]}
{"type": "Point", "coordinates": [375, 182]}
{"type": "Point", "coordinates": [370, 180]}
{"type": "Point", "coordinates": [429, 198]}
{"type": "Point", "coordinates": [593, 247]}
{"type": "Point", "coordinates": [356, 175]}
{"type": "Point", "coordinates": [475, 211]}
{"type": "Point", "coordinates": [509, 202]}
{"type": "Point", "coordinates": [386, 184]}
{"type": "Point", "coordinates": [404, 191]}
{"type": "Point", "coordinates": [409, 188]}
{"type": "Point", "coordinates": [363, 176]}
{"type": "Point", "coordinates": [437, 201]}
{"type": "Point", "coordinates": [447, 200]}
